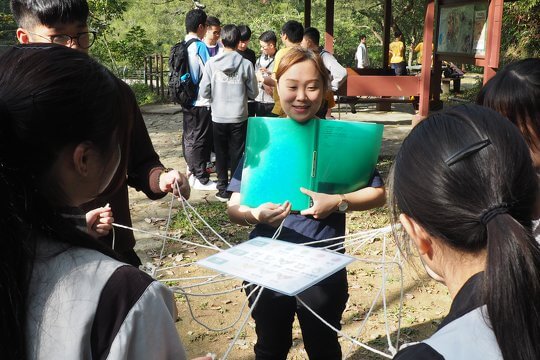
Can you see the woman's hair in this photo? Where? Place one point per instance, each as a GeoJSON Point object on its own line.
{"type": "Point", "coordinates": [51, 98]}
{"type": "Point", "coordinates": [297, 55]}
{"type": "Point", "coordinates": [514, 92]}
{"type": "Point", "coordinates": [465, 175]}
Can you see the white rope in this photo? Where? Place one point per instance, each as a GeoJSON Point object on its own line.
{"type": "Point", "coordinates": [184, 203]}
{"type": "Point", "coordinates": [358, 239]}
{"type": "Point", "coordinates": [231, 345]}
{"type": "Point", "coordinates": [188, 302]}
{"type": "Point", "coordinates": [339, 332]}
{"type": "Point", "coordinates": [167, 237]}
{"type": "Point", "coordinates": [208, 282]}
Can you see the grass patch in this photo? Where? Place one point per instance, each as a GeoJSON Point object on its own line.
{"type": "Point", "coordinates": [144, 95]}
{"type": "Point", "coordinates": [215, 214]}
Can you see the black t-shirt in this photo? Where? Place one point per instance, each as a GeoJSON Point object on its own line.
{"type": "Point", "coordinates": [249, 55]}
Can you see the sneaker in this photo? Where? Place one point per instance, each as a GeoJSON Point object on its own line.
{"type": "Point", "coordinates": [223, 195]}
{"type": "Point", "coordinates": [210, 167]}
{"type": "Point", "coordinates": [188, 171]}
{"type": "Point", "coordinates": [209, 186]}
{"type": "Point", "coordinates": [191, 180]}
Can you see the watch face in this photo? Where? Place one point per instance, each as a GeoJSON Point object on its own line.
{"type": "Point", "coordinates": [343, 206]}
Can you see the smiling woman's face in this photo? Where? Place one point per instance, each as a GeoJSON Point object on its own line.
{"type": "Point", "coordinates": [300, 91]}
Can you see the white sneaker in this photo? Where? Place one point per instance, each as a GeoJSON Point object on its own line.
{"type": "Point", "coordinates": [191, 180]}
{"type": "Point", "coordinates": [209, 186]}
{"type": "Point", "coordinates": [188, 171]}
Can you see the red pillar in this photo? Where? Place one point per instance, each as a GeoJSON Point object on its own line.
{"type": "Point", "coordinates": [493, 41]}
{"type": "Point", "coordinates": [425, 75]}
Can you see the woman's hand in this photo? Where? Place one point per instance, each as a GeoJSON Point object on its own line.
{"type": "Point", "coordinates": [99, 221]}
{"type": "Point", "coordinates": [323, 204]}
{"type": "Point", "coordinates": [271, 214]}
{"type": "Point", "coordinates": [167, 182]}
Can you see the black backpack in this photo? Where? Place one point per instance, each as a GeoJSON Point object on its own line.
{"type": "Point", "coordinates": [182, 90]}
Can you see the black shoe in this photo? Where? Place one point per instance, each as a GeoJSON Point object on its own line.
{"type": "Point", "coordinates": [223, 195]}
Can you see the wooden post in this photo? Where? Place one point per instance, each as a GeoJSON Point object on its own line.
{"type": "Point", "coordinates": [161, 75]}
{"type": "Point", "coordinates": [425, 75]}
{"type": "Point", "coordinates": [329, 35]}
{"type": "Point", "coordinates": [145, 70]}
{"type": "Point", "coordinates": [307, 13]}
{"type": "Point", "coordinates": [158, 85]}
{"type": "Point", "coordinates": [493, 41]}
{"type": "Point", "coordinates": [386, 38]}
{"type": "Point", "coordinates": [151, 75]}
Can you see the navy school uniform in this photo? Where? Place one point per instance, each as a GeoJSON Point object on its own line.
{"type": "Point", "coordinates": [274, 312]}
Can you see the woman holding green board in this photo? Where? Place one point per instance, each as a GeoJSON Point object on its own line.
{"type": "Point", "coordinates": [301, 83]}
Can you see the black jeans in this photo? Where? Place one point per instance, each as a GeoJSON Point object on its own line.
{"type": "Point", "coordinates": [229, 143]}
{"type": "Point", "coordinates": [263, 109]}
{"type": "Point", "coordinates": [197, 140]}
{"type": "Point", "coordinates": [274, 316]}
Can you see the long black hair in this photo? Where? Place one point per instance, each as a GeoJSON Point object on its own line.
{"type": "Point", "coordinates": [455, 168]}
{"type": "Point", "coordinates": [51, 98]}
{"type": "Point", "coordinates": [514, 92]}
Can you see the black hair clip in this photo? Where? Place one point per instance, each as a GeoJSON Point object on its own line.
{"type": "Point", "coordinates": [469, 150]}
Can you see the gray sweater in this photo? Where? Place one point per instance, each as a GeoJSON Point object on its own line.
{"type": "Point", "coordinates": [228, 81]}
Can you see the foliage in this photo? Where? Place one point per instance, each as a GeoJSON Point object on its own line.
{"type": "Point", "coordinates": [7, 24]}
{"type": "Point", "coordinates": [521, 30]}
{"type": "Point", "coordinates": [143, 94]}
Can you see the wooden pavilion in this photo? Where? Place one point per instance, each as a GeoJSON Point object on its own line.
{"type": "Point", "coordinates": [482, 17]}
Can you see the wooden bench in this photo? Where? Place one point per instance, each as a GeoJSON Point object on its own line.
{"type": "Point", "coordinates": [445, 85]}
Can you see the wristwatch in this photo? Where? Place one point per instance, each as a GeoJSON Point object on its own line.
{"type": "Point", "coordinates": [343, 204]}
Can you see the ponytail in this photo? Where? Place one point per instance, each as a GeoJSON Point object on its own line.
{"type": "Point", "coordinates": [512, 287]}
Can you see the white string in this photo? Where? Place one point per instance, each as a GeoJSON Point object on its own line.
{"type": "Point", "coordinates": [167, 237]}
{"type": "Point", "coordinates": [208, 282]}
{"type": "Point", "coordinates": [339, 332]}
{"type": "Point", "coordinates": [184, 203]}
{"type": "Point", "coordinates": [231, 345]}
{"type": "Point", "coordinates": [167, 224]}
{"type": "Point", "coordinates": [188, 302]}
{"type": "Point", "coordinates": [360, 238]}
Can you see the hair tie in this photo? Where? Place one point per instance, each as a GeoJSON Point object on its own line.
{"type": "Point", "coordinates": [492, 212]}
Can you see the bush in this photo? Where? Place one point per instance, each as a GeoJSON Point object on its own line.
{"type": "Point", "coordinates": [143, 94]}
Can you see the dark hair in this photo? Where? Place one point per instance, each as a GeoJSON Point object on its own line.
{"type": "Point", "coordinates": [313, 34]}
{"type": "Point", "coordinates": [245, 32]}
{"type": "Point", "coordinates": [230, 36]}
{"type": "Point", "coordinates": [397, 34]}
{"type": "Point", "coordinates": [268, 37]}
{"type": "Point", "coordinates": [448, 185]}
{"type": "Point", "coordinates": [294, 31]}
{"type": "Point", "coordinates": [194, 18]}
{"type": "Point", "coordinates": [51, 98]}
{"type": "Point", "coordinates": [29, 13]}
{"type": "Point", "coordinates": [515, 92]}
{"type": "Point", "coordinates": [212, 21]}
{"type": "Point", "coordinates": [362, 36]}
{"type": "Point", "coordinates": [297, 55]}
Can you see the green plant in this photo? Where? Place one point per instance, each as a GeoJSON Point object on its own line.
{"type": "Point", "coordinates": [143, 94]}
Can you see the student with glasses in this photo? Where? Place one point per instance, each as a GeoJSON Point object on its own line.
{"type": "Point", "coordinates": [64, 22]}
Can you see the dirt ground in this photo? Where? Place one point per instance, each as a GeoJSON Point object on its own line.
{"type": "Point", "coordinates": [424, 301]}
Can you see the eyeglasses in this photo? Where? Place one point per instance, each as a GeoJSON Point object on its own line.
{"type": "Point", "coordinates": [83, 39]}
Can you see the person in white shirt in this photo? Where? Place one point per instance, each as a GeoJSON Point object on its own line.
{"type": "Point", "coordinates": [338, 73]}
{"type": "Point", "coordinates": [361, 55]}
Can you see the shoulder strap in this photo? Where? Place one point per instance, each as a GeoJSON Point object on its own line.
{"type": "Point", "coordinates": [191, 41]}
